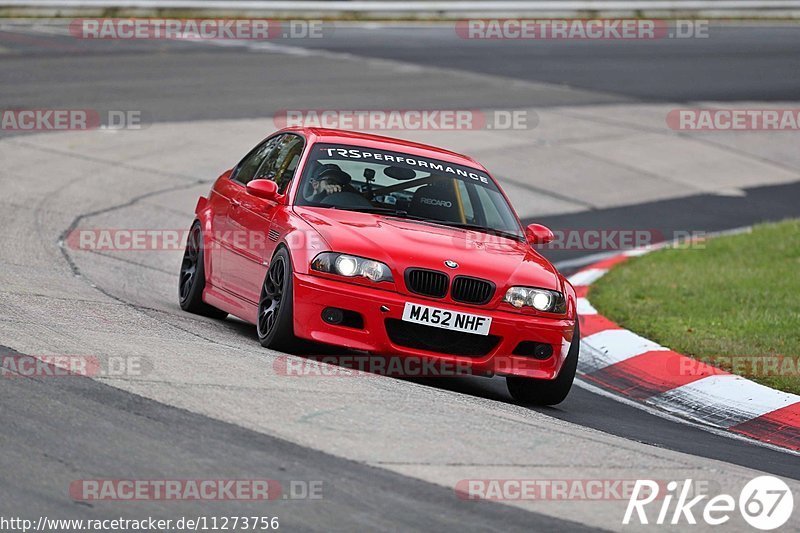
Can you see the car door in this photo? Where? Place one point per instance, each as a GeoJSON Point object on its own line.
{"type": "Point", "coordinates": [251, 220]}
{"type": "Point", "coordinates": [227, 202]}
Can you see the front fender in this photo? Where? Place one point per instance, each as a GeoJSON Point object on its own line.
{"type": "Point", "coordinates": [302, 240]}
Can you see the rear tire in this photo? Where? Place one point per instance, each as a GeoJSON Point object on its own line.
{"type": "Point", "coordinates": [532, 391]}
{"type": "Point", "coordinates": [192, 279]}
{"type": "Point", "coordinates": [275, 324]}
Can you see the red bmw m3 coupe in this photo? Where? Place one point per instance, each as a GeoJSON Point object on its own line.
{"type": "Point", "coordinates": [387, 247]}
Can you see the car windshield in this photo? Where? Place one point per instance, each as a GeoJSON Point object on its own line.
{"type": "Point", "coordinates": [396, 184]}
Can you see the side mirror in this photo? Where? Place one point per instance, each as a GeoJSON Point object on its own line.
{"type": "Point", "coordinates": [266, 189]}
{"type": "Point", "coordinates": [538, 234]}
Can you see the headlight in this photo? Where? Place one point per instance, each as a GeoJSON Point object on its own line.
{"type": "Point", "coordinates": [351, 266]}
{"type": "Point", "coordinates": [540, 299]}
{"type": "Point", "coordinates": [346, 265]}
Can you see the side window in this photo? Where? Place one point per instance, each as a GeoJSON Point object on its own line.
{"type": "Point", "coordinates": [280, 164]}
{"type": "Point", "coordinates": [246, 169]}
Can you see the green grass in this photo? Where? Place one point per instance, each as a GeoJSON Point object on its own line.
{"type": "Point", "coordinates": [735, 296]}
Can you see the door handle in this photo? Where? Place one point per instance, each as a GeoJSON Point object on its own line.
{"type": "Point", "coordinates": [236, 204]}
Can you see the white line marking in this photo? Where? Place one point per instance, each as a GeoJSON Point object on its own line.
{"type": "Point", "coordinates": [637, 252]}
{"type": "Point", "coordinates": [585, 308]}
{"type": "Point", "coordinates": [679, 420]}
{"type": "Point", "coordinates": [583, 260]}
{"type": "Point", "coordinates": [587, 277]}
{"type": "Point", "coordinates": [723, 400]}
{"type": "Point", "coordinates": [612, 346]}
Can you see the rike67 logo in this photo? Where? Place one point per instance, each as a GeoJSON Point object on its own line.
{"type": "Point", "coordinates": [766, 503]}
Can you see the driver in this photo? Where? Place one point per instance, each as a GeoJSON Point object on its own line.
{"type": "Point", "coordinates": [330, 181]}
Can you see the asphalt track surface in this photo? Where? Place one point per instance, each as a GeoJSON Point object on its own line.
{"type": "Point", "coordinates": [57, 433]}
{"type": "Point", "coordinates": [92, 414]}
{"type": "Point", "coordinates": [756, 63]}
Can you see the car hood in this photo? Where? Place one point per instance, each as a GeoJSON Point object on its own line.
{"type": "Point", "coordinates": [404, 243]}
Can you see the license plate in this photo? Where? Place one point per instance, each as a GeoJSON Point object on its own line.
{"type": "Point", "coordinates": [442, 318]}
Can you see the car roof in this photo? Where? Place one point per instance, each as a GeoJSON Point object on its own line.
{"type": "Point", "coordinates": [369, 140]}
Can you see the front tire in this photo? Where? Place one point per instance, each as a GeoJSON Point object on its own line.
{"type": "Point", "coordinates": [532, 391]}
{"type": "Point", "coordinates": [192, 278]}
{"type": "Point", "coordinates": [275, 325]}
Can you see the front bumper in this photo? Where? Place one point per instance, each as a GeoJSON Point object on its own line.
{"type": "Point", "coordinates": [312, 294]}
